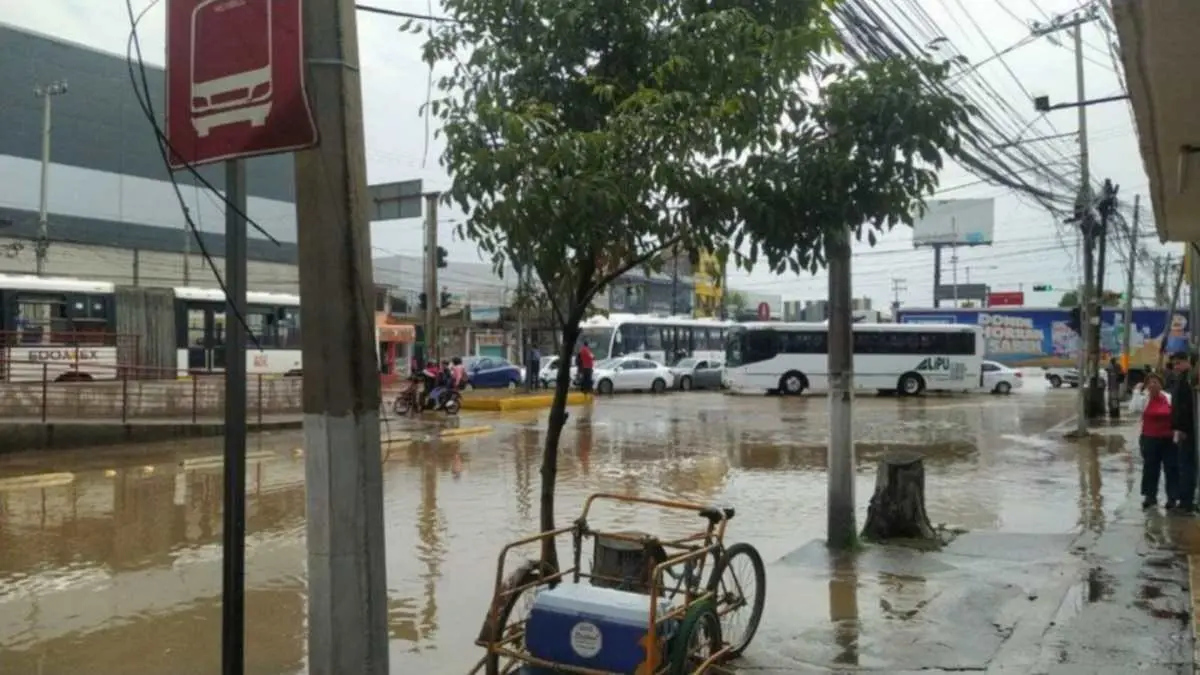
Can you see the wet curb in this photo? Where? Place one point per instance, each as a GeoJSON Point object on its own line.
{"type": "Point", "coordinates": [1193, 562]}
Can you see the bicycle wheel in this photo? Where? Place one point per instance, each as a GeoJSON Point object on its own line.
{"type": "Point", "coordinates": [699, 637]}
{"type": "Point", "coordinates": [514, 611]}
{"type": "Point", "coordinates": [453, 403]}
{"type": "Point", "coordinates": [402, 404]}
{"type": "Point", "coordinates": [739, 585]}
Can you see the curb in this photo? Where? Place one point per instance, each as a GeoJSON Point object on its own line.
{"type": "Point", "coordinates": [516, 403]}
{"type": "Point", "coordinates": [462, 431]}
{"type": "Point", "coordinates": [1193, 562]}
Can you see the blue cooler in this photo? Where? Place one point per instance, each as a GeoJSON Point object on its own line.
{"type": "Point", "coordinates": [598, 628]}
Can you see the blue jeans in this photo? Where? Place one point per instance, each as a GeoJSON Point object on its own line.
{"type": "Point", "coordinates": [436, 395]}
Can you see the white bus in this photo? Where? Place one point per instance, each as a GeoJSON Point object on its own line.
{"type": "Point", "coordinates": [792, 358]}
{"type": "Point", "coordinates": [662, 339]}
{"type": "Point", "coordinates": [67, 330]}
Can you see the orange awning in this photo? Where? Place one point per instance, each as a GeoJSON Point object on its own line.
{"type": "Point", "coordinates": [397, 333]}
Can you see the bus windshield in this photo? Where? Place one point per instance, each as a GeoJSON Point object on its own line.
{"type": "Point", "coordinates": [598, 339]}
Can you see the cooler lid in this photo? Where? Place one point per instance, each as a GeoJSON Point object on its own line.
{"type": "Point", "coordinates": [585, 599]}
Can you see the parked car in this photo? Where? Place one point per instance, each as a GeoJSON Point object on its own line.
{"type": "Point", "coordinates": [697, 374]}
{"type": "Point", "coordinates": [631, 373]}
{"type": "Point", "coordinates": [1057, 377]}
{"type": "Point", "coordinates": [1000, 379]}
{"type": "Point", "coordinates": [486, 372]}
{"type": "Point", "coordinates": [548, 374]}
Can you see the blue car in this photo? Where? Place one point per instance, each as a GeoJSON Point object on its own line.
{"type": "Point", "coordinates": [486, 372]}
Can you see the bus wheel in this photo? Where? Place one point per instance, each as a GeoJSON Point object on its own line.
{"type": "Point", "coordinates": [910, 384]}
{"type": "Point", "coordinates": [792, 384]}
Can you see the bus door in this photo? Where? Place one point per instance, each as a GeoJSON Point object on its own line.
{"type": "Point", "coordinates": [206, 337]}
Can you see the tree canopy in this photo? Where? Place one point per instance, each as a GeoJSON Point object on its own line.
{"type": "Point", "coordinates": [1107, 299]}
{"type": "Point", "coordinates": [584, 138]}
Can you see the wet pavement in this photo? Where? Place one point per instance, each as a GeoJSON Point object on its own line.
{"type": "Point", "coordinates": [110, 557]}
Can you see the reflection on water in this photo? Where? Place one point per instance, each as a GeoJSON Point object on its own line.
{"type": "Point", "coordinates": [110, 563]}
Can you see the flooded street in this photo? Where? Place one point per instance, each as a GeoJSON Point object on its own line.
{"type": "Point", "coordinates": [110, 558]}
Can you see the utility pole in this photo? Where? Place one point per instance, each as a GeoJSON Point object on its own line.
{"type": "Point", "coordinates": [42, 246]}
{"type": "Point", "coordinates": [1127, 333]}
{"type": "Point", "coordinates": [1162, 350]}
{"type": "Point", "coordinates": [674, 283]}
{"type": "Point", "coordinates": [841, 525]}
{"type": "Point", "coordinates": [898, 286]}
{"type": "Point", "coordinates": [433, 299]}
{"type": "Point", "coordinates": [937, 275]}
{"type": "Point", "coordinates": [1088, 299]}
{"type": "Point", "coordinates": [347, 575]}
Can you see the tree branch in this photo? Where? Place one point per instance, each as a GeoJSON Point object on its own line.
{"type": "Point", "coordinates": [636, 262]}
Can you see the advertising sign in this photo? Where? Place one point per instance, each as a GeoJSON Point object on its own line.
{"type": "Point", "coordinates": [1006, 299]}
{"type": "Point", "coordinates": [1024, 337]}
{"type": "Point", "coordinates": [956, 222]}
{"type": "Point", "coordinates": [235, 80]}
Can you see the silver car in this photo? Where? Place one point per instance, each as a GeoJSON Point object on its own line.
{"type": "Point", "coordinates": [697, 374]}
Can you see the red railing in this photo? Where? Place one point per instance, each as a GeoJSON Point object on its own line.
{"type": "Point", "coordinates": [145, 395]}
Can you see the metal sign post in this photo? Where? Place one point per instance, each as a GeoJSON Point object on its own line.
{"type": "Point", "coordinates": [233, 532]}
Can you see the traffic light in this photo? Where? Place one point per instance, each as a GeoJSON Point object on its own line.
{"type": "Point", "coordinates": [423, 300]}
{"type": "Point", "coordinates": [445, 299]}
{"type": "Point", "coordinates": [441, 257]}
{"type": "Point", "coordinates": [1076, 320]}
{"type": "Point", "coordinates": [1042, 288]}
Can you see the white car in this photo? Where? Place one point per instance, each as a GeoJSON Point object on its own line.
{"type": "Point", "coordinates": [631, 373]}
{"type": "Point", "coordinates": [999, 378]}
{"type": "Point", "coordinates": [549, 372]}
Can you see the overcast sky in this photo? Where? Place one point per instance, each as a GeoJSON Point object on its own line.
{"type": "Point", "coordinates": [1027, 250]}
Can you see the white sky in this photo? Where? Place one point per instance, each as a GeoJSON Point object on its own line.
{"type": "Point", "coordinates": [1027, 249]}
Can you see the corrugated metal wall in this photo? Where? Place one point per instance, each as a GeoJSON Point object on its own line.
{"type": "Point", "coordinates": [147, 315]}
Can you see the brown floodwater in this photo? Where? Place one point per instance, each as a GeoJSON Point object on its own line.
{"type": "Point", "coordinates": [110, 559]}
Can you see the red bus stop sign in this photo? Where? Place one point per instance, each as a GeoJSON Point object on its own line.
{"type": "Point", "coordinates": [764, 311]}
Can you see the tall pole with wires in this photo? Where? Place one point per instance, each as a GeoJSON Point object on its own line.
{"type": "Point", "coordinates": [1130, 284]}
{"type": "Point", "coordinates": [1088, 297]}
{"type": "Point", "coordinates": [46, 93]}
{"type": "Point", "coordinates": [347, 578]}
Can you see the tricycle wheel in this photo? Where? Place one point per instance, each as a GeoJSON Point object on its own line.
{"type": "Point", "coordinates": [699, 637]}
{"type": "Point", "coordinates": [739, 585]}
{"type": "Point", "coordinates": [510, 610]}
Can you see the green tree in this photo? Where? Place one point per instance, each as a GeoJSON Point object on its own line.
{"type": "Point", "coordinates": [585, 139]}
{"type": "Point", "coordinates": [1107, 299]}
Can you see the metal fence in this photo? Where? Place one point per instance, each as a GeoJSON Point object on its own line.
{"type": "Point", "coordinates": [141, 395]}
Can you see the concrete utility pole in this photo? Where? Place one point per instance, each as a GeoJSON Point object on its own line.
{"type": "Point", "coordinates": [841, 525]}
{"type": "Point", "coordinates": [42, 246]}
{"type": "Point", "coordinates": [1127, 333]}
{"type": "Point", "coordinates": [898, 286]}
{"type": "Point", "coordinates": [433, 299]}
{"type": "Point", "coordinates": [1089, 298]}
{"type": "Point", "coordinates": [1162, 351]}
{"type": "Point", "coordinates": [347, 579]}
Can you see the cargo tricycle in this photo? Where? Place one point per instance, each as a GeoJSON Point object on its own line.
{"type": "Point", "coordinates": [646, 605]}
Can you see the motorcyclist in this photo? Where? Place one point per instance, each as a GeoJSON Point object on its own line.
{"type": "Point", "coordinates": [441, 385]}
{"type": "Point", "coordinates": [429, 380]}
{"type": "Point", "coordinates": [458, 374]}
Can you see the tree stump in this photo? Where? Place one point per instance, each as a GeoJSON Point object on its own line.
{"type": "Point", "coordinates": [897, 509]}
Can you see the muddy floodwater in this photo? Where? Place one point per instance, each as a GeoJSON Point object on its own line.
{"type": "Point", "coordinates": [110, 558]}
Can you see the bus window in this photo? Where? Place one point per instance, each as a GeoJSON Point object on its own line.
{"type": "Point", "coordinates": [39, 317]}
{"type": "Point", "coordinates": [760, 345]}
{"type": "Point", "coordinates": [805, 342]}
{"type": "Point", "coordinates": [288, 328]}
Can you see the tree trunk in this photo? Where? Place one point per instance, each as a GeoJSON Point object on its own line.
{"type": "Point", "coordinates": [558, 419]}
{"type": "Point", "coordinates": [897, 509]}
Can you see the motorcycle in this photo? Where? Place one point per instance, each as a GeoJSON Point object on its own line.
{"type": "Point", "coordinates": [406, 402]}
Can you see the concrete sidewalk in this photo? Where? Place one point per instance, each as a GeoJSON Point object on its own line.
{"type": "Point", "coordinates": [1113, 599]}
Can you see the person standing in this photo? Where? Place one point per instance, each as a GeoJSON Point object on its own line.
{"type": "Point", "coordinates": [1183, 427]}
{"type": "Point", "coordinates": [586, 363]}
{"type": "Point", "coordinates": [533, 363]}
{"type": "Point", "coordinates": [1159, 453]}
{"type": "Point", "coordinates": [1115, 375]}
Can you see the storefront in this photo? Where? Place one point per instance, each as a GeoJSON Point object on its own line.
{"type": "Point", "coordinates": [395, 341]}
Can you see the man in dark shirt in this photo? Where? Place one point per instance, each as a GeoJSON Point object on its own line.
{"type": "Point", "coordinates": [1183, 426]}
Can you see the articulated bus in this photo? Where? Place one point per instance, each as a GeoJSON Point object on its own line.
{"type": "Point", "coordinates": [70, 329]}
{"type": "Point", "coordinates": [666, 340]}
{"type": "Point", "coordinates": [792, 358]}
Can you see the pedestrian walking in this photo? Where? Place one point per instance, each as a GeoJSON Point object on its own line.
{"type": "Point", "coordinates": [1114, 376]}
{"type": "Point", "coordinates": [533, 362]}
{"type": "Point", "coordinates": [1183, 427]}
{"type": "Point", "coordinates": [1160, 456]}
{"type": "Point", "coordinates": [585, 362]}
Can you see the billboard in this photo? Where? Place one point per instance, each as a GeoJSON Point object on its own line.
{"type": "Point", "coordinates": [235, 80]}
{"type": "Point", "coordinates": [956, 222]}
{"type": "Point", "coordinates": [1025, 337]}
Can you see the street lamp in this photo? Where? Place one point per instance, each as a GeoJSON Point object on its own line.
{"type": "Point", "coordinates": [46, 93]}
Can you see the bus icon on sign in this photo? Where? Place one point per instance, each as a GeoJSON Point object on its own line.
{"type": "Point", "coordinates": [230, 64]}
